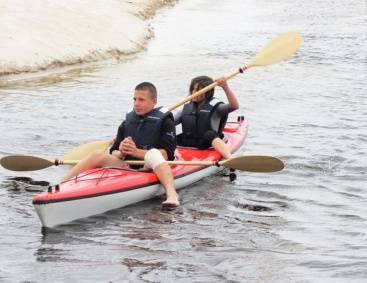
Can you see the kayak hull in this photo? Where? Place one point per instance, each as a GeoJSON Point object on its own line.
{"type": "Point", "coordinates": [102, 189]}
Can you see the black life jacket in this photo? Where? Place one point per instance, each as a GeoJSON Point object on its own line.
{"type": "Point", "coordinates": [145, 130]}
{"type": "Point", "coordinates": [195, 122]}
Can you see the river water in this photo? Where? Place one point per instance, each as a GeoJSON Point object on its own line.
{"type": "Point", "coordinates": [306, 223]}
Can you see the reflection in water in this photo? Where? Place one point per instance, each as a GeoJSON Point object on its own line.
{"type": "Point", "coordinates": [18, 184]}
{"type": "Point", "coordinates": [40, 79]}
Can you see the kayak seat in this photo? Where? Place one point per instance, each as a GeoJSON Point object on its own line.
{"type": "Point", "coordinates": [231, 127]}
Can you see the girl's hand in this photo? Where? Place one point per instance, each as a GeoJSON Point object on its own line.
{"type": "Point", "coordinates": [222, 82]}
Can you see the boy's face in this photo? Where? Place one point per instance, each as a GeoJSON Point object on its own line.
{"type": "Point", "coordinates": [143, 103]}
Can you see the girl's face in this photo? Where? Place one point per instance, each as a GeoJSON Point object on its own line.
{"type": "Point", "coordinates": [200, 97]}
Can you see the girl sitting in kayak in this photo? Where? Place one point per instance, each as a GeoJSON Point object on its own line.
{"type": "Point", "coordinates": [204, 117]}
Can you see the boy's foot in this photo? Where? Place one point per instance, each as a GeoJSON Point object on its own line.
{"type": "Point", "coordinates": [171, 201]}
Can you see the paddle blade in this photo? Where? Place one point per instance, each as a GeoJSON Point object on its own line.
{"type": "Point", "coordinates": [83, 150]}
{"type": "Point", "coordinates": [276, 50]}
{"type": "Point", "coordinates": [254, 163]}
{"type": "Point", "coordinates": [25, 162]}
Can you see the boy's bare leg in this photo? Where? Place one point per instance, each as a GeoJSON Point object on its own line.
{"type": "Point", "coordinates": [94, 160]}
{"type": "Point", "coordinates": [164, 174]}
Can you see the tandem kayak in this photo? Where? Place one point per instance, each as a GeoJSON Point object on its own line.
{"type": "Point", "coordinates": [99, 190]}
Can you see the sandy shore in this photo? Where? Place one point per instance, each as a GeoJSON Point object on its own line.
{"type": "Point", "coordinates": [41, 35]}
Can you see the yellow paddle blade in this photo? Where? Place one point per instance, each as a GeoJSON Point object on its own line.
{"type": "Point", "coordinates": [278, 49]}
{"type": "Point", "coordinates": [83, 150]}
{"type": "Point", "coordinates": [30, 163]}
{"type": "Point", "coordinates": [21, 162]}
{"type": "Point", "coordinates": [25, 162]}
{"type": "Point", "coordinates": [254, 163]}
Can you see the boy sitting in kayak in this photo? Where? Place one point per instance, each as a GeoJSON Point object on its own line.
{"type": "Point", "coordinates": [148, 134]}
{"type": "Point", "coordinates": [204, 117]}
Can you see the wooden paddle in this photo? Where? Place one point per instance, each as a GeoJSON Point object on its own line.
{"type": "Point", "coordinates": [250, 163]}
{"type": "Point", "coordinates": [276, 50]}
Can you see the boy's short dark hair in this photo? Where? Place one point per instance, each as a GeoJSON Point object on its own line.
{"type": "Point", "coordinates": [148, 86]}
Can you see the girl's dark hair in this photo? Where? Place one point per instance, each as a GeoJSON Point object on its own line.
{"type": "Point", "coordinates": [202, 81]}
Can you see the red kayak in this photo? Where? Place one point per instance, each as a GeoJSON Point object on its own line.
{"type": "Point", "coordinates": [99, 190]}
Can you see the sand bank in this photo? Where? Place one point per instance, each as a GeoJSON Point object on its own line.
{"type": "Point", "coordinates": [38, 35]}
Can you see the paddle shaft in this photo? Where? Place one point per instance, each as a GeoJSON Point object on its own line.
{"type": "Point", "coordinates": [205, 89]}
